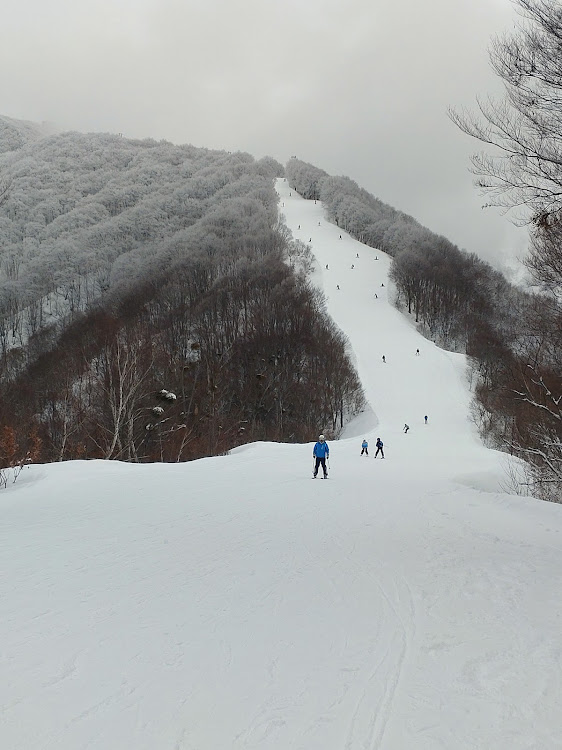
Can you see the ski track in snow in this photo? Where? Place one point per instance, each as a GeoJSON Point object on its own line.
{"type": "Point", "coordinates": [233, 603]}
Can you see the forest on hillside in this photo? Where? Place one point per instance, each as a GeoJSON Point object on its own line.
{"type": "Point", "coordinates": [513, 337]}
{"type": "Point", "coordinates": [153, 308]}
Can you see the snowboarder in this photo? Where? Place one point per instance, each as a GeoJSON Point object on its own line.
{"type": "Point", "coordinates": [321, 452]}
{"type": "Point", "coordinates": [379, 445]}
{"type": "Point", "coordinates": [365, 447]}
{"type": "Point", "coordinates": [406, 428]}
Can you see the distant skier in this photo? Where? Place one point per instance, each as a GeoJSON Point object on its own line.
{"type": "Point", "coordinates": [379, 445]}
{"type": "Point", "coordinates": [417, 352]}
{"type": "Point", "coordinates": [321, 452]}
{"type": "Point", "coordinates": [425, 418]}
{"type": "Point", "coordinates": [365, 447]}
{"type": "Point", "coordinates": [352, 266]}
{"type": "Point", "coordinates": [338, 286]}
{"type": "Point", "coordinates": [327, 269]}
{"type": "Point", "coordinates": [406, 428]}
{"type": "Point", "coordinates": [383, 358]}
{"type": "Point", "coordinates": [357, 255]}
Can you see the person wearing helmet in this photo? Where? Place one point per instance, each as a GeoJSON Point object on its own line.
{"type": "Point", "coordinates": [321, 452]}
{"type": "Point", "coordinates": [365, 447]}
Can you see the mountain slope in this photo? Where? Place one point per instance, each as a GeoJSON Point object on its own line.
{"type": "Point", "coordinates": [14, 134]}
{"type": "Point", "coordinates": [233, 602]}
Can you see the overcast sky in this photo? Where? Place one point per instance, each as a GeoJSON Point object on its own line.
{"type": "Point", "coordinates": [357, 87]}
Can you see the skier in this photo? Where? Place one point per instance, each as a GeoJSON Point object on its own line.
{"type": "Point", "coordinates": [379, 445]}
{"type": "Point", "coordinates": [365, 447]}
{"type": "Point", "coordinates": [417, 352]}
{"type": "Point", "coordinates": [321, 452]}
{"type": "Point", "coordinates": [383, 358]}
{"type": "Point", "coordinates": [406, 428]}
{"type": "Point", "coordinates": [338, 286]}
{"type": "Point", "coordinates": [425, 419]}
{"type": "Point", "coordinates": [327, 269]}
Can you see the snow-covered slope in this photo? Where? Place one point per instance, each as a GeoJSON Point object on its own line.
{"type": "Point", "coordinates": [234, 603]}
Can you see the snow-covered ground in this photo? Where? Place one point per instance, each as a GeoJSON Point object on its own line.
{"type": "Point", "coordinates": [404, 604]}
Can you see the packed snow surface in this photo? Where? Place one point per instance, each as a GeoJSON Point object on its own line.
{"type": "Point", "coordinates": [409, 603]}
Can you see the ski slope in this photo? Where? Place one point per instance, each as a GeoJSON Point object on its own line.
{"type": "Point", "coordinates": [406, 603]}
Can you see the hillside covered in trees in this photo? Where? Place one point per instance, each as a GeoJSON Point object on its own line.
{"type": "Point", "coordinates": [152, 307]}
{"type": "Point", "coordinates": [512, 336]}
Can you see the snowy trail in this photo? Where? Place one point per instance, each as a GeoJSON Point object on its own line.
{"type": "Point", "coordinates": [233, 603]}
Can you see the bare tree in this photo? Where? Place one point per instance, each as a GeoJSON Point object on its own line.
{"type": "Point", "coordinates": [545, 256]}
{"type": "Point", "coordinates": [123, 366]}
{"type": "Point", "coordinates": [524, 171]}
{"type": "Point", "coordinates": [524, 127]}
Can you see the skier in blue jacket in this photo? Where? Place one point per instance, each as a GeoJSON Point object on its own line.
{"type": "Point", "coordinates": [321, 452]}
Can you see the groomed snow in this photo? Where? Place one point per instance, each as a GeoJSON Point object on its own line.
{"type": "Point", "coordinates": [404, 604]}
